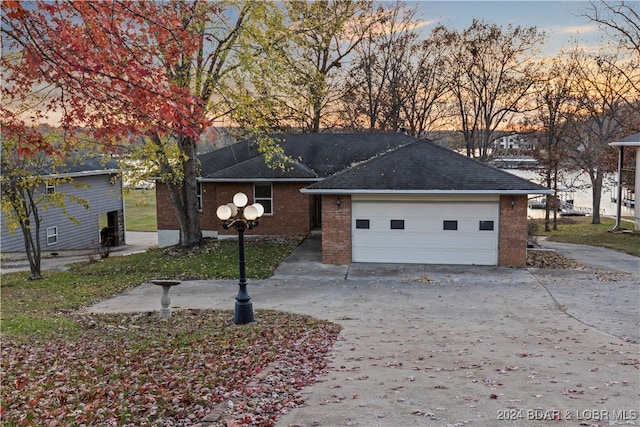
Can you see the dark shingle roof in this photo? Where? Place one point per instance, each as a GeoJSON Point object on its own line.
{"type": "Point", "coordinates": [424, 167]}
{"type": "Point", "coordinates": [312, 156]}
{"type": "Point", "coordinates": [363, 162]}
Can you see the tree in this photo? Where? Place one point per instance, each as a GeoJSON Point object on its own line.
{"type": "Point", "coordinates": [27, 165]}
{"type": "Point", "coordinates": [621, 20]}
{"type": "Point", "coordinates": [491, 71]}
{"type": "Point", "coordinates": [323, 34]}
{"type": "Point", "coordinates": [373, 95]}
{"type": "Point", "coordinates": [554, 104]}
{"type": "Point", "coordinates": [425, 84]}
{"type": "Point", "coordinates": [601, 91]}
{"type": "Point", "coordinates": [123, 69]}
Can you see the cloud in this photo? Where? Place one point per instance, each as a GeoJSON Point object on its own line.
{"type": "Point", "coordinates": [424, 23]}
{"type": "Point", "coordinates": [575, 29]}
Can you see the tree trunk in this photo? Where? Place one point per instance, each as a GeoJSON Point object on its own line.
{"type": "Point", "coordinates": [596, 193]}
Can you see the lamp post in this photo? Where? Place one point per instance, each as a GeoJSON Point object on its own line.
{"type": "Point", "coordinates": [241, 217]}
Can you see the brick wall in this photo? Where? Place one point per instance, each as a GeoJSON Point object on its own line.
{"type": "Point", "coordinates": [513, 231]}
{"type": "Point", "coordinates": [336, 230]}
{"type": "Point", "coordinates": [292, 209]}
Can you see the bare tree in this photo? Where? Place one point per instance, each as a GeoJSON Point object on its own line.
{"type": "Point", "coordinates": [621, 20]}
{"type": "Point", "coordinates": [554, 104]}
{"type": "Point", "coordinates": [491, 70]}
{"type": "Point", "coordinates": [373, 89]}
{"type": "Point", "coordinates": [425, 84]}
{"type": "Point", "coordinates": [601, 91]}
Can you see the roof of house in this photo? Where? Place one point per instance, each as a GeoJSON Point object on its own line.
{"type": "Point", "coordinates": [310, 157]}
{"type": "Point", "coordinates": [632, 140]}
{"type": "Point", "coordinates": [424, 167]}
{"type": "Point", "coordinates": [365, 163]}
{"type": "Point", "coordinates": [82, 166]}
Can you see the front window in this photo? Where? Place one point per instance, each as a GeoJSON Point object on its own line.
{"type": "Point", "coordinates": [51, 188]}
{"type": "Point", "coordinates": [263, 194]}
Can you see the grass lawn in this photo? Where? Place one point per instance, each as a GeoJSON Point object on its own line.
{"type": "Point", "coordinates": [60, 367]}
{"type": "Point", "coordinates": [580, 230]}
{"type": "Point", "coordinates": [140, 210]}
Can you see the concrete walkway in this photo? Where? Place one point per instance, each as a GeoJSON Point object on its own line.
{"type": "Point", "coordinates": [453, 345]}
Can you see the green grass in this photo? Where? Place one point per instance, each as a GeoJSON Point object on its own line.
{"type": "Point", "coordinates": [140, 210]}
{"type": "Point", "coordinates": [35, 306]}
{"type": "Point", "coordinates": [579, 230]}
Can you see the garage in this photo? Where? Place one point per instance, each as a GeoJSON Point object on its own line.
{"type": "Point", "coordinates": [440, 231]}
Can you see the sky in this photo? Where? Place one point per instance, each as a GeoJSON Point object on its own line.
{"type": "Point", "coordinates": [560, 20]}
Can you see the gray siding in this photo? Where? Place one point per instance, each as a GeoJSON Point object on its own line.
{"type": "Point", "coordinates": [102, 196]}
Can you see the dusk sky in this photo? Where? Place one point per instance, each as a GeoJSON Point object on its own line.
{"type": "Point", "coordinates": [560, 20]}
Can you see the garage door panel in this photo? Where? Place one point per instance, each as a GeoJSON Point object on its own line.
{"type": "Point", "coordinates": [423, 239]}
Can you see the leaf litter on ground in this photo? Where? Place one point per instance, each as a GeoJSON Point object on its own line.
{"type": "Point", "coordinates": [133, 369]}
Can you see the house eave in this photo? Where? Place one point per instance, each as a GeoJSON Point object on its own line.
{"type": "Point", "coordinates": [83, 173]}
{"type": "Point", "coordinates": [227, 180]}
{"type": "Point", "coordinates": [426, 192]}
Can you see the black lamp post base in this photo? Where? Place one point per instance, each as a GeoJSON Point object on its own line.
{"type": "Point", "coordinates": [243, 313]}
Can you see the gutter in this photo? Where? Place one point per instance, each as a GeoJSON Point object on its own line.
{"type": "Point", "coordinates": [426, 192]}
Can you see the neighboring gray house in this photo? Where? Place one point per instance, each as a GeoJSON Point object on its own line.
{"type": "Point", "coordinates": [103, 222]}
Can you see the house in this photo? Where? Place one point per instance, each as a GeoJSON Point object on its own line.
{"type": "Point", "coordinates": [103, 222]}
{"type": "Point", "coordinates": [632, 141]}
{"type": "Point", "coordinates": [377, 197]}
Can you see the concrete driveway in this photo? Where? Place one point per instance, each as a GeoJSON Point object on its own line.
{"type": "Point", "coordinates": [454, 346]}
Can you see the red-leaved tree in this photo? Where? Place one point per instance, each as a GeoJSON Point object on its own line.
{"type": "Point", "coordinates": [156, 73]}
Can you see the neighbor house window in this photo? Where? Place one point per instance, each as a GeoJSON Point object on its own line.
{"type": "Point", "coordinates": [362, 224]}
{"type": "Point", "coordinates": [199, 191]}
{"type": "Point", "coordinates": [397, 224]}
{"type": "Point", "coordinates": [51, 188]}
{"type": "Point", "coordinates": [449, 225]}
{"type": "Point", "coordinates": [486, 225]}
{"type": "Point", "coordinates": [263, 194]}
{"type": "Point", "coordinates": [52, 236]}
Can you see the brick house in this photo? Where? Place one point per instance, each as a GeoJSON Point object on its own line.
{"type": "Point", "coordinates": [377, 197]}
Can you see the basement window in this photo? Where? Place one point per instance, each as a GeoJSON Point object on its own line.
{"type": "Point", "coordinates": [362, 224]}
{"type": "Point", "coordinates": [52, 236]}
{"type": "Point", "coordinates": [397, 224]}
{"type": "Point", "coordinates": [449, 225]}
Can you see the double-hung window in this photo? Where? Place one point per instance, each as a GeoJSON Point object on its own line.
{"type": "Point", "coordinates": [263, 194]}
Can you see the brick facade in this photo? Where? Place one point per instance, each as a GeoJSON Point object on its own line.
{"type": "Point", "coordinates": [294, 215]}
{"type": "Point", "coordinates": [292, 210]}
{"type": "Point", "coordinates": [336, 229]}
{"type": "Point", "coordinates": [512, 246]}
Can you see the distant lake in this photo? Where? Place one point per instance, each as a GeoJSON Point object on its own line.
{"type": "Point", "coordinates": [581, 194]}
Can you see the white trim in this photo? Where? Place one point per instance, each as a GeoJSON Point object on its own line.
{"type": "Point", "coordinates": [54, 235]}
{"type": "Point", "coordinates": [83, 173]}
{"type": "Point", "coordinates": [427, 192]}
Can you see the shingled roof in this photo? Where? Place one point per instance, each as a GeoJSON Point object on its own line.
{"type": "Point", "coordinates": [424, 167]}
{"type": "Point", "coordinates": [365, 163]}
{"type": "Point", "coordinates": [310, 157]}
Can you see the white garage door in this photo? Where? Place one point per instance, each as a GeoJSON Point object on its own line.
{"type": "Point", "coordinates": [425, 232]}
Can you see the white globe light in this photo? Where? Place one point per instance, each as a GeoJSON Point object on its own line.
{"type": "Point", "coordinates": [234, 209]}
{"type": "Point", "coordinates": [250, 213]}
{"type": "Point", "coordinates": [223, 213]}
{"type": "Point", "coordinates": [260, 209]}
{"type": "Point", "coordinates": [240, 200]}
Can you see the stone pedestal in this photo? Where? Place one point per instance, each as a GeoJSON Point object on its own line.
{"type": "Point", "coordinates": [165, 301]}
